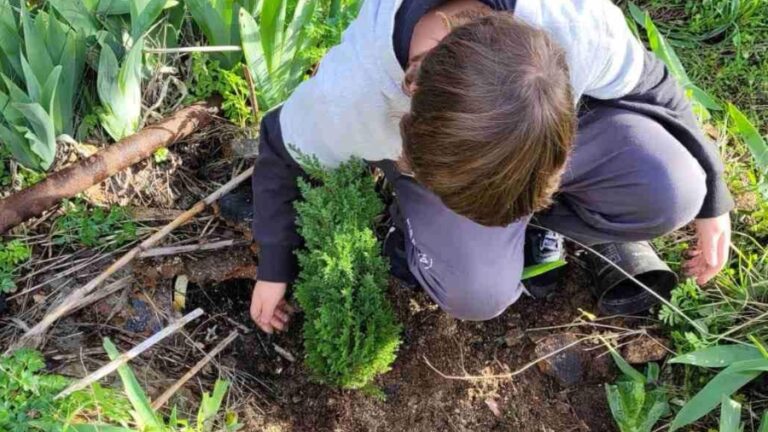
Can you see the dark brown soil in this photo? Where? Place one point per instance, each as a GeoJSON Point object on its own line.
{"type": "Point", "coordinates": [418, 398]}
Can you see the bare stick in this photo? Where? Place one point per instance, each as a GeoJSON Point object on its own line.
{"type": "Point", "coordinates": [192, 372]}
{"type": "Point", "coordinates": [33, 337]}
{"type": "Point", "coordinates": [108, 290]}
{"type": "Point", "coordinates": [252, 91]}
{"type": "Point", "coordinates": [173, 250]}
{"type": "Point", "coordinates": [128, 355]}
{"type": "Point", "coordinates": [181, 50]}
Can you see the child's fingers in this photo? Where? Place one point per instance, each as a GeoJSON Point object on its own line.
{"type": "Point", "coordinates": [267, 328]}
{"type": "Point", "coordinates": [281, 314]}
{"type": "Point", "coordinates": [287, 307]}
{"type": "Point", "coordinates": [277, 324]}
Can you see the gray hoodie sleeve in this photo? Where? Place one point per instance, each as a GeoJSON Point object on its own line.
{"type": "Point", "coordinates": [659, 96]}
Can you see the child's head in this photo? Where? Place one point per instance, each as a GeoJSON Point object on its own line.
{"type": "Point", "coordinates": [492, 118]}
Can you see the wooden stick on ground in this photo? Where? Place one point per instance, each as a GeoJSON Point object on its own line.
{"type": "Point", "coordinates": [33, 337]}
{"type": "Point", "coordinates": [106, 291]}
{"type": "Point", "coordinates": [192, 372]}
{"type": "Point", "coordinates": [173, 250]}
{"type": "Point", "coordinates": [126, 356]}
{"type": "Point", "coordinates": [70, 181]}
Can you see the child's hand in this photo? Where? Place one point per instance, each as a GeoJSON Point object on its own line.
{"type": "Point", "coordinates": [269, 310]}
{"type": "Point", "coordinates": [710, 254]}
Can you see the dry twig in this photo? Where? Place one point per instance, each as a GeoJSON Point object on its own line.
{"type": "Point", "coordinates": [192, 372]}
{"type": "Point", "coordinates": [174, 250]}
{"type": "Point", "coordinates": [74, 299]}
{"type": "Point", "coordinates": [128, 355]}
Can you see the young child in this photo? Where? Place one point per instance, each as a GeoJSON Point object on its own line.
{"type": "Point", "coordinates": [488, 115]}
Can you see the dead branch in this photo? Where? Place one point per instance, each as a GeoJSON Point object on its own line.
{"type": "Point", "coordinates": [192, 372]}
{"type": "Point", "coordinates": [108, 290]}
{"type": "Point", "coordinates": [174, 250]}
{"type": "Point", "coordinates": [70, 181]}
{"type": "Point", "coordinates": [128, 355]}
{"type": "Point", "coordinates": [33, 337]}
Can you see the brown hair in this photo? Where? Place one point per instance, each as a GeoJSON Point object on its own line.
{"type": "Point", "coordinates": [492, 118]}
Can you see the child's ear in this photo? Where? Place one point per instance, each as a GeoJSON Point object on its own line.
{"type": "Point", "coordinates": [409, 81]}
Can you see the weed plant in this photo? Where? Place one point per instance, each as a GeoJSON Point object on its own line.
{"type": "Point", "coordinates": [12, 254]}
{"type": "Point", "coordinates": [94, 227]}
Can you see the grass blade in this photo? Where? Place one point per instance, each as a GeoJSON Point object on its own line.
{"type": "Point", "coordinates": [751, 136]}
{"type": "Point", "coordinates": [730, 415]}
{"type": "Point", "coordinates": [622, 364]}
{"type": "Point", "coordinates": [210, 405]}
{"type": "Point", "coordinates": [727, 382]}
{"type": "Point", "coordinates": [719, 356]}
{"type": "Point", "coordinates": [144, 414]}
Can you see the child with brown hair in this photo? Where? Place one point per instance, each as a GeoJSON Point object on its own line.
{"type": "Point", "coordinates": [486, 115]}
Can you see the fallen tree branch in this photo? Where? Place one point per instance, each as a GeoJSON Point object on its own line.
{"type": "Point", "coordinates": [33, 337]}
{"type": "Point", "coordinates": [173, 250]}
{"type": "Point", "coordinates": [70, 181]}
{"type": "Point", "coordinates": [192, 372]}
{"type": "Point", "coordinates": [126, 356]}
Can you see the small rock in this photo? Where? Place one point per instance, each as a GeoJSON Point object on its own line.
{"type": "Point", "coordinates": [331, 401]}
{"type": "Point", "coordinates": [296, 399]}
{"type": "Point", "coordinates": [644, 350]}
{"type": "Point", "coordinates": [567, 366]}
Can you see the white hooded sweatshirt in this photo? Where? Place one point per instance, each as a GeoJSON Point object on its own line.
{"type": "Point", "coordinates": [353, 106]}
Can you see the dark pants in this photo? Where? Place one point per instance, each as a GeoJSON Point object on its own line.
{"type": "Point", "coordinates": [627, 179]}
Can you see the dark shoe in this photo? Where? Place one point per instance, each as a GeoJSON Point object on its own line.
{"type": "Point", "coordinates": [543, 246]}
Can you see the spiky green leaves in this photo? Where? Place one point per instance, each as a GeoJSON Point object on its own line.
{"type": "Point", "coordinates": [119, 88]}
{"type": "Point", "coordinates": [273, 50]}
{"type": "Point", "coordinates": [350, 332]}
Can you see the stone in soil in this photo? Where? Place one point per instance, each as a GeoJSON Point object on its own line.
{"type": "Point", "coordinates": [567, 366]}
{"type": "Point", "coordinates": [644, 349]}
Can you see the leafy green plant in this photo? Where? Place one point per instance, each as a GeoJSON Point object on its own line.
{"type": "Point", "coordinates": [207, 78]}
{"type": "Point", "coordinates": [12, 254]}
{"type": "Point", "coordinates": [702, 101]}
{"type": "Point", "coordinates": [350, 332]}
{"type": "Point", "coordinates": [273, 48]}
{"type": "Point", "coordinates": [47, 58]}
{"type": "Point", "coordinates": [754, 141]}
{"type": "Point", "coordinates": [147, 419]}
{"type": "Point", "coordinates": [637, 401]}
{"type": "Point", "coordinates": [27, 398]}
{"type": "Point", "coordinates": [94, 227]}
{"type": "Point", "coordinates": [119, 88]}
{"type": "Point", "coordinates": [218, 20]}
{"type": "Point", "coordinates": [740, 363]}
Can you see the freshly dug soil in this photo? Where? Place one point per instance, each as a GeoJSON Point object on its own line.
{"type": "Point", "coordinates": [419, 399]}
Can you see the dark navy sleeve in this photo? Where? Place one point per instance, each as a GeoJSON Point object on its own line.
{"type": "Point", "coordinates": [659, 96]}
{"type": "Point", "coordinates": [274, 191]}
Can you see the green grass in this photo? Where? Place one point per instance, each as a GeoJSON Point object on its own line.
{"type": "Point", "coordinates": [731, 63]}
{"type": "Point", "coordinates": [720, 45]}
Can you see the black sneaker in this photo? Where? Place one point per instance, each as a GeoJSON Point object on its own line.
{"type": "Point", "coordinates": [543, 246]}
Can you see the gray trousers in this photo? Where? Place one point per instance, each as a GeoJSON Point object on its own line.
{"type": "Point", "coordinates": [626, 179]}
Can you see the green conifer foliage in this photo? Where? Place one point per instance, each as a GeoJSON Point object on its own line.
{"type": "Point", "coordinates": [350, 332]}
